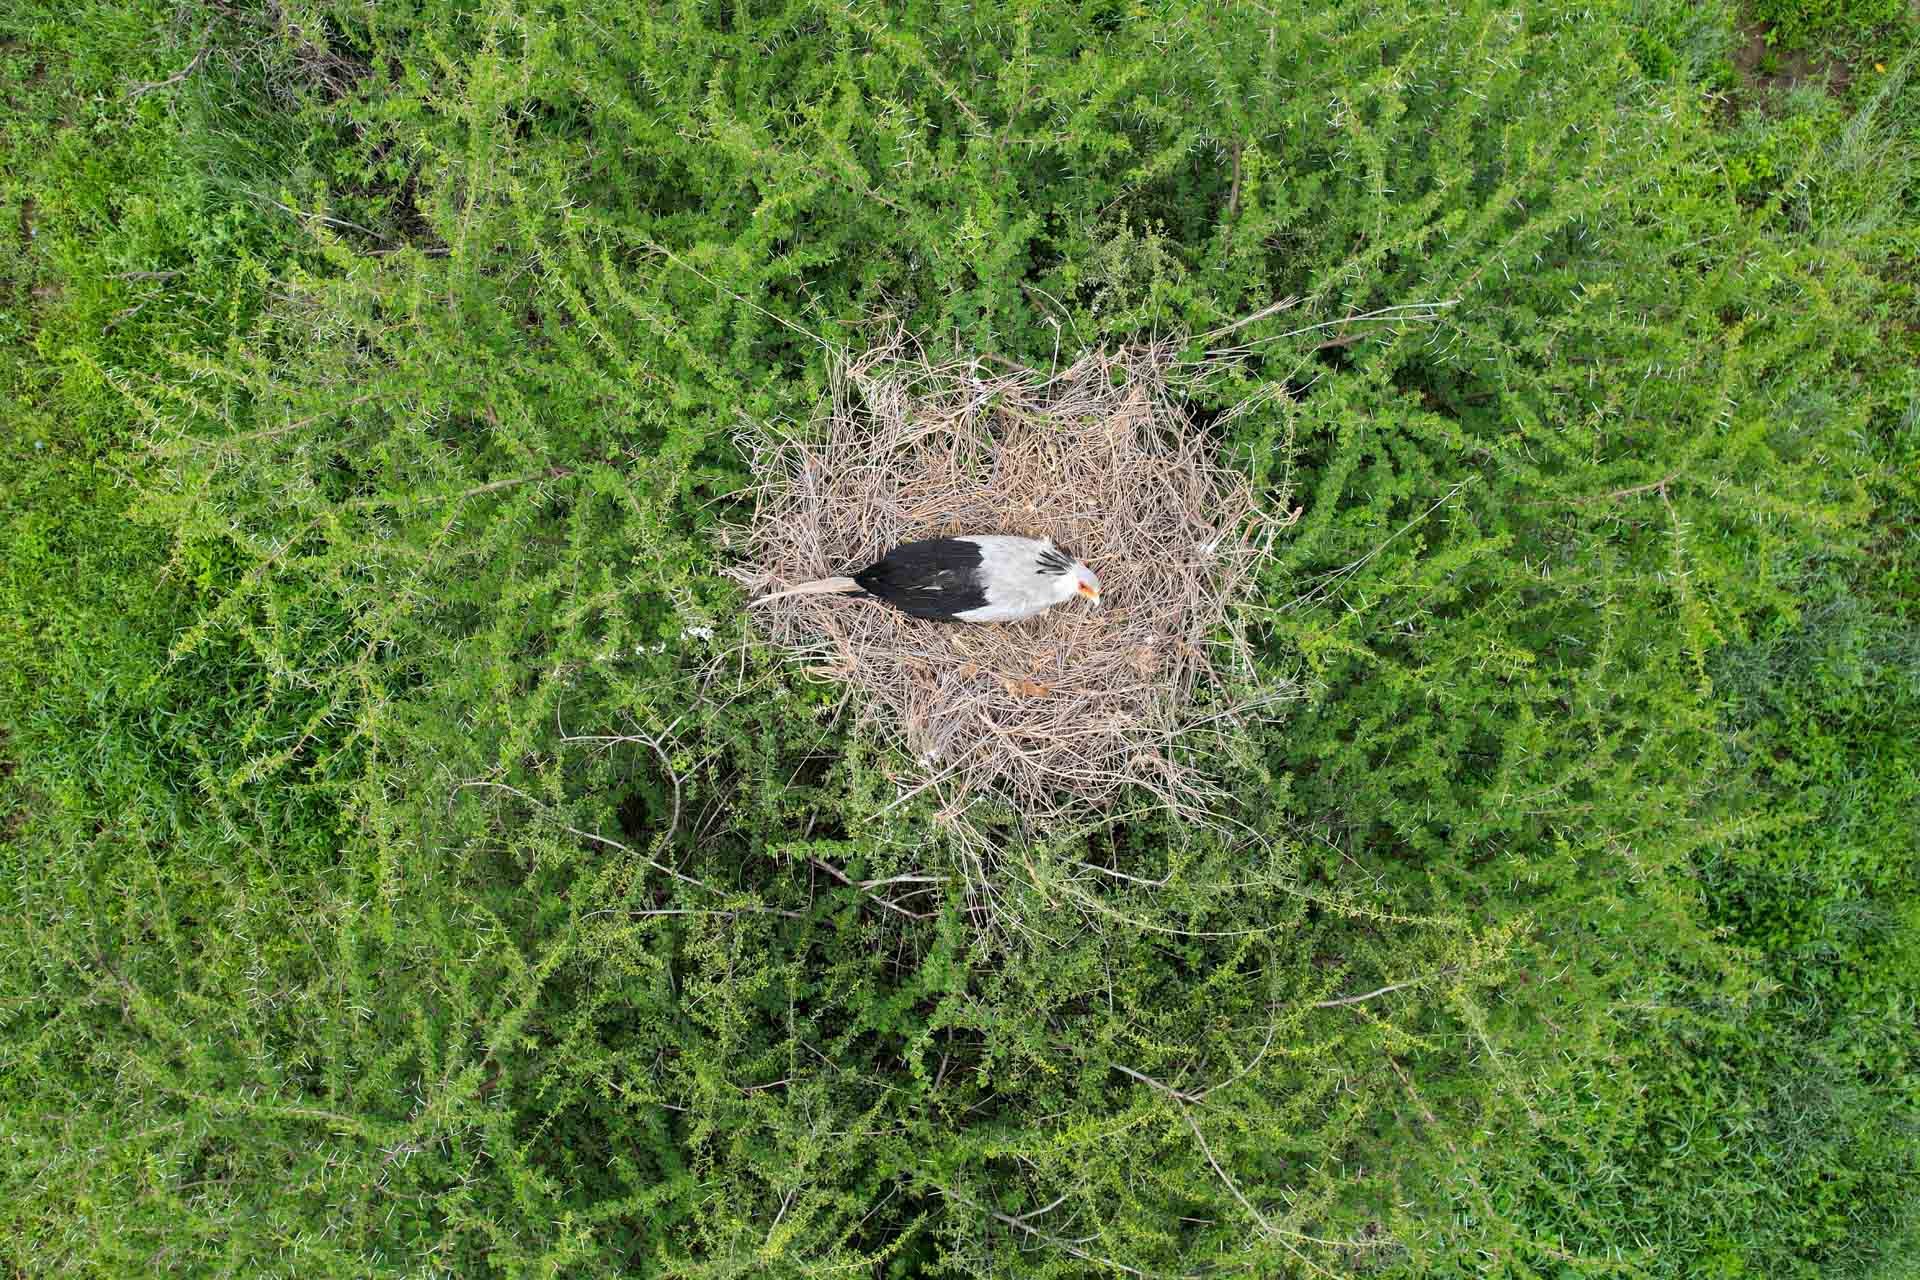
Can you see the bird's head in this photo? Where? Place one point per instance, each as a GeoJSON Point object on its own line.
{"type": "Point", "coordinates": [1086, 582]}
{"type": "Point", "coordinates": [1071, 578]}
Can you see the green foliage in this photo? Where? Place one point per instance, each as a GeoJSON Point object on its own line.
{"type": "Point", "coordinates": [418, 867]}
{"type": "Point", "coordinates": [1795, 24]}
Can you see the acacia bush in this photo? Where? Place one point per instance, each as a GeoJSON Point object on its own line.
{"type": "Point", "coordinates": [399, 890]}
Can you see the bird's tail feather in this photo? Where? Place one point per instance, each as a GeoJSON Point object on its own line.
{"type": "Point", "coordinates": [819, 587]}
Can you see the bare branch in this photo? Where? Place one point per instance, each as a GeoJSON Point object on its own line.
{"type": "Point", "coordinates": [862, 885]}
{"type": "Point", "coordinates": [652, 744]}
{"type": "Point", "coordinates": [144, 88]}
{"type": "Point", "coordinates": [1381, 991]}
{"type": "Point", "coordinates": [661, 867]}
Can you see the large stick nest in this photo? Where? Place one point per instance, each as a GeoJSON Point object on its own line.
{"type": "Point", "coordinates": [1068, 710]}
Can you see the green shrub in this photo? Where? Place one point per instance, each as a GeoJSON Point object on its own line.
{"type": "Point", "coordinates": [420, 868]}
{"type": "Point", "coordinates": [1796, 24]}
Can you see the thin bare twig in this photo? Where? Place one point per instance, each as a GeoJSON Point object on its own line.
{"type": "Point", "coordinates": [425, 499]}
{"type": "Point", "coordinates": [266, 433]}
{"type": "Point", "coordinates": [1653, 486]}
{"type": "Point", "coordinates": [861, 885]}
{"type": "Point", "coordinates": [1070, 1247]}
{"type": "Point", "coordinates": [1145, 1079]}
{"type": "Point", "coordinates": [652, 744]}
{"type": "Point", "coordinates": [1285, 1237]}
{"type": "Point", "coordinates": [1272, 308]}
{"type": "Point", "coordinates": [144, 88]}
{"type": "Point", "coordinates": [1381, 991]}
{"type": "Point", "coordinates": [661, 867]}
{"type": "Point", "coordinates": [1399, 313]}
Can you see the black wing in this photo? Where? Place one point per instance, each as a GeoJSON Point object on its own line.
{"type": "Point", "coordinates": [934, 579]}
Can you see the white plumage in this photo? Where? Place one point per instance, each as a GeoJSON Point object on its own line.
{"type": "Point", "coordinates": [989, 577]}
{"type": "Point", "coordinates": [1012, 582]}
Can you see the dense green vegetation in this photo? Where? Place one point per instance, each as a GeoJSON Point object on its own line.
{"type": "Point", "coordinates": [392, 889]}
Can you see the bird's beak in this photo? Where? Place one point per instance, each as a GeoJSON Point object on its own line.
{"type": "Point", "coordinates": [1089, 593]}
